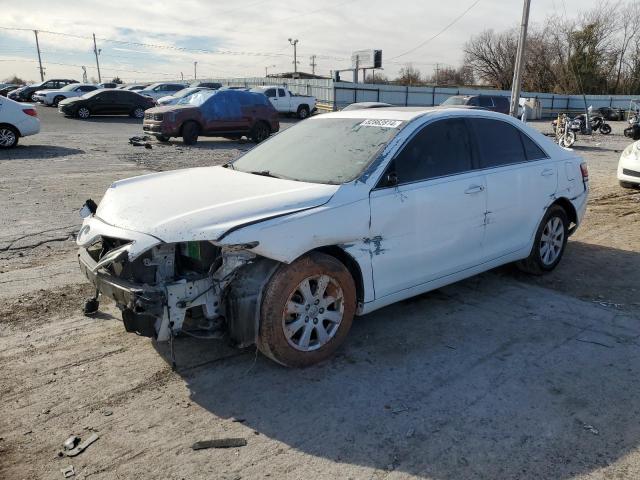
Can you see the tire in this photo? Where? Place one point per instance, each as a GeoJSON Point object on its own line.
{"type": "Point", "coordinates": [83, 113]}
{"type": "Point", "coordinates": [567, 140]}
{"type": "Point", "coordinates": [259, 132]}
{"type": "Point", "coordinates": [190, 131]}
{"type": "Point", "coordinates": [552, 232]}
{"type": "Point", "coordinates": [56, 100]}
{"type": "Point", "coordinates": [137, 112]}
{"type": "Point", "coordinates": [162, 138]}
{"type": "Point", "coordinates": [303, 112]}
{"type": "Point", "coordinates": [605, 129]}
{"type": "Point", "coordinates": [8, 137]}
{"type": "Point", "coordinates": [623, 184]}
{"type": "Point", "coordinates": [33, 98]}
{"type": "Point", "coordinates": [293, 337]}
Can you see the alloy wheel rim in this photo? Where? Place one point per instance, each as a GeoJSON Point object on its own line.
{"type": "Point", "coordinates": [83, 113]}
{"type": "Point", "coordinates": [552, 240]}
{"type": "Point", "coordinates": [138, 112]}
{"type": "Point", "coordinates": [313, 313]}
{"type": "Point", "coordinates": [7, 137]}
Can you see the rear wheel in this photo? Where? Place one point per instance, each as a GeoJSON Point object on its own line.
{"type": "Point", "coordinates": [8, 137]}
{"type": "Point", "coordinates": [549, 244]}
{"type": "Point", "coordinates": [260, 132]}
{"type": "Point", "coordinates": [303, 112]}
{"type": "Point", "coordinates": [605, 129]}
{"type": "Point", "coordinates": [190, 131]}
{"type": "Point", "coordinates": [138, 112]}
{"type": "Point", "coordinates": [83, 112]}
{"type": "Point", "coordinates": [307, 311]}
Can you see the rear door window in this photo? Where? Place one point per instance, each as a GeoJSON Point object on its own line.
{"type": "Point", "coordinates": [486, 102]}
{"type": "Point", "coordinates": [439, 149]}
{"type": "Point", "coordinates": [499, 143]}
{"type": "Point", "coordinates": [271, 92]}
{"type": "Point", "coordinates": [531, 149]}
{"type": "Point", "coordinates": [281, 92]}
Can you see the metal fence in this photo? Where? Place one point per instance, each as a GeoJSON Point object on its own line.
{"type": "Point", "coordinates": [337, 95]}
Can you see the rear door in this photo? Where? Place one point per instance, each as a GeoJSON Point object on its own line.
{"type": "Point", "coordinates": [272, 95]}
{"type": "Point", "coordinates": [103, 104]}
{"type": "Point", "coordinates": [431, 224]}
{"type": "Point", "coordinates": [521, 180]}
{"type": "Point", "coordinates": [222, 114]}
{"type": "Point", "coordinates": [284, 101]}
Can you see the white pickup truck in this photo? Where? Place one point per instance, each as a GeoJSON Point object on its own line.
{"type": "Point", "coordinates": [286, 102]}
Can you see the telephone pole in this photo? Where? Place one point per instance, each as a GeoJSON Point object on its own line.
{"type": "Point", "coordinates": [517, 81]}
{"type": "Point", "coordinates": [39, 59]}
{"type": "Point", "coordinates": [295, 56]}
{"type": "Point", "coordinates": [437, 73]}
{"type": "Point", "coordinates": [195, 70]}
{"type": "Point", "coordinates": [313, 64]}
{"type": "Point", "coordinates": [97, 52]}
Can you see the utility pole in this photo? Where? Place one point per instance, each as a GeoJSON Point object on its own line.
{"type": "Point", "coordinates": [195, 70]}
{"type": "Point", "coordinates": [356, 70]}
{"type": "Point", "coordinates": [181, 76]}
{"type": "Point", "coordinates": [39, 59]}
{"type": "Point", "coordinates": [437, 73]}
{"type": "Point", "coordinates": [517, 81]}
{"type": "Point", "coordinates": [97, 52]}
{"type": "Point", "coordinates": [295, 56]}
{"type": "Point", "coordinates": [84, 75]}
{"type": "Point", "coordinates": [313, 64]}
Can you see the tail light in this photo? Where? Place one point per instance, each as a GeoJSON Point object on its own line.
{"type": "Point", "coordinates": [585, 171]}
{"type": "Point", "coordinates": [30, 111]}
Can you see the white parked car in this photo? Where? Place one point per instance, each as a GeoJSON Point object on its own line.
{"type": "Point", "coordinates": [179, 95]}
{"type": "Point", "coordinates": [286, 102]}
{"type": "Point", "coordinates": [16, 120]}
{"type": "Point", "coordinates": [336, 216]}
{"type": "Point", "coordinates": [629, 166]}
{"type": "Point", "coordinates": [159, 90]}
{"type": "Point", "coordinates": [53, 97]}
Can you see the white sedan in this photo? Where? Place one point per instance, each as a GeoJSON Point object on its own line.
{"type": "Point", "coordinates": [16, 120]}
{"type": "Point", "coordinates": [629, 166]}
{"type": "Point", "coordinates": [337, 216]}
{"type": "Point", "coordinates": [53, 97]}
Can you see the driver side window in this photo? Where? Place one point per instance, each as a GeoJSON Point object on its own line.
{"type": "Point", "coordinates": [440, 149]}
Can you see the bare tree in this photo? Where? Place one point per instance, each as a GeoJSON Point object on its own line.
{"type": "Point", "coordinates": [491, 56]}
{"type": "Point", "coordinates": [409, 75]}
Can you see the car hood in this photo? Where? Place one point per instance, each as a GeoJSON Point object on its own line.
{"type": "Point", "coordinates": [204, 203]}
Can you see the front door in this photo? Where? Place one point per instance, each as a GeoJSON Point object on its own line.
{"type": "Point", "coordinates": [430, 223]}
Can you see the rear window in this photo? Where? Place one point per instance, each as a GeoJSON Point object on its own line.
{"type": "Point", "coordinates": [499, 143]}
{"type": "Point", "coordinates": [455, 101]}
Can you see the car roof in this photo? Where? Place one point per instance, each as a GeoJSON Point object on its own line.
{"type": "Point", "coordinates": [407, 114]}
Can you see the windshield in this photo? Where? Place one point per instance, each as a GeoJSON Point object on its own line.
{"type": "Point", "coordinates": [322, 150]}
{"type": "Point", "coordinates": [185, 92]}
{"type": "Point", "coordinates": [454, 101]}
{"type": "Point", "coordinates": [197, 99]}
{"type": "Point", "coordinates": [68, 88]}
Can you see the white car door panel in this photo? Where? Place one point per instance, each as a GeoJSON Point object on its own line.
{"type": "Point", "coordinates": [521, 181]}
{"type": "Point", "coordinates": [432, 223]}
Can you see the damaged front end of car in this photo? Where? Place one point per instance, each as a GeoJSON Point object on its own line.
{"type": "Point", "coordinates": [195, 287]}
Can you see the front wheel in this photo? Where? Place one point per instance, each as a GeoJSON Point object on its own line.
{"type": "Point", "coordinates": [8, 137]}
{"type": "Point", "coordinates": [568, 139]}
{"type": "Point", "coordinates": [190, 132]}
{"type": "Point", "coordinates": [605, 129]}
{"type": "Point", "coordinates": [57, 100]}
{"type": "Point", "coordinates": [549, 244]}
{"type": "Point", "coordinates": [162, 138]}
{"type": "Point", "coordinates": [307, 310]}
{"type": "Point", "coordinates": [83, 113]}
{"type": "Point", "coordinates": [622, 183]}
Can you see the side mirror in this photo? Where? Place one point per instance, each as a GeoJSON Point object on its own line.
{"type": "Point", "coordinates": [392, 179]}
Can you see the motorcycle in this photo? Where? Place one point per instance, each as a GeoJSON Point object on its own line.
{"type": "Point", "coordinates": [598, 123]}
{"type": "Point", "coordinates": [565, 136]}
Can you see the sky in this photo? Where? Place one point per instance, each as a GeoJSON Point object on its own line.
{"type": "Point", "coordinates": [232, 39]}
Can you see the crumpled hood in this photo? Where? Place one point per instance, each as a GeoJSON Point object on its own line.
{"type": "Point", "coordinates": [203, 203]}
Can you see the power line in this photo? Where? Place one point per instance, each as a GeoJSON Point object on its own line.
{"type": "Point", "coordinates": [451, 24]}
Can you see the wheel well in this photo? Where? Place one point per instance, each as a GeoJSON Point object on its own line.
{"type": "Point", "coordinates": [190, 121]}
{"type": "Point", "coordinates": [349, 262]}
{"type": "Point", "coordinates": [11, 126]}
{"type": "Point", "coordinates": [304, 105]}
{"type": "Point", "coordinates": [264, 122]}
{"type": "Point", "coordinates": [568, 208]}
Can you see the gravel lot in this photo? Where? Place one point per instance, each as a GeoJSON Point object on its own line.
{"type": "Point", "coordinates": [500, 376]}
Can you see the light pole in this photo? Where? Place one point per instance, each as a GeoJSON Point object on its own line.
{"type": "Point", "coordinates": [517, 82]}
{"type": "Point", "coordinates": [295, 55]}
{"type": "Point", "coordinates": [266, 69]}
{"type": "Point", "coordinates": [195, 70]}
{"type": "Point", "coordinates": [97, 52]}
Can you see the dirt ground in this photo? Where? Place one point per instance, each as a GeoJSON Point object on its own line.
{"type": "Point", "coordinates": [500, 376]}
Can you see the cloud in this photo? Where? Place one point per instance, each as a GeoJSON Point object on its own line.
{"type": "Point", "coordinates": [246, 37]}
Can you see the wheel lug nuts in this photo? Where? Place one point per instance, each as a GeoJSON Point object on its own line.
{"type": "Point", "coordinates": [322, 310]}
{"type": "Point", "coordinates": [316, 302]}
{"type": "Point", "coordinates": [306, 319]}
{"type": "Point", "coordinates": [315, 320]}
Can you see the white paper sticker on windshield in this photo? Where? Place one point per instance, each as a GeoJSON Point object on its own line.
{"type": "Point", "coordinates": [381, 123]}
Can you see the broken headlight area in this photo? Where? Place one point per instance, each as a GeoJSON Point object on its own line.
{"type": "Point", "coordinates": [169, 288]}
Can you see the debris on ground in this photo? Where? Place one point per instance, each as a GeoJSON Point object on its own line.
{"type": "Point", "coordinates": [68, 472]}
{"type": "Point", "coordinates": [220, 443]}
{"type": "Point", "coordinates": [81, 447]}
{"type": "Point", "coordinates": [71, 442]}
{"type": "Point", "coordinates": [141, 141]}
{"type": "Point", "coordinates": [591, 428]}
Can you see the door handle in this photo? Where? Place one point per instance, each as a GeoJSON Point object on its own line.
{"type": "Point", "coordinates": [474, 189]}
{"type": "Point", "coordinates": [547, 172]}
